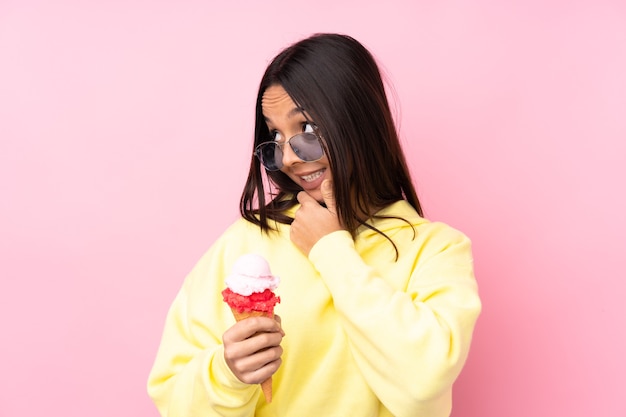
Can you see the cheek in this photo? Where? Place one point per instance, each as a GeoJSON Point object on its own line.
{"type": "Point", "coordinates": [285, 171]}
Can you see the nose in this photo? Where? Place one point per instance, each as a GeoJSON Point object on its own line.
{"type": "Point", "coordinates": [289, 156]}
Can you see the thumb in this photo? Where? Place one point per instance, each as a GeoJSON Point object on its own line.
{"type": "Point", "coordinates": [328, 196]}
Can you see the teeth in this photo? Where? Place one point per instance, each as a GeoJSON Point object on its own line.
{"type": "Point", "coordinates": [313, 176]}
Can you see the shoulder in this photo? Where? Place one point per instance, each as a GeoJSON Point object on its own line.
{"type": "Point", "coordinates": [429, 229]}
{"type": "Point", "coordinates": [441, 232]}
{"type": "Point", "coordinates": [401, 215]}
{"type": "Point", "coordinates": [440, 243]}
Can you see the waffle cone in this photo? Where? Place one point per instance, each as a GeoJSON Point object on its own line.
{"type": "Point", "coordinates": [244, 315]}
{"type": "Point", "coordinates": [266, 385]}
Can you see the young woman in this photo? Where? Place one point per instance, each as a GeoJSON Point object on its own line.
{"type": "Point", "coordinates": [378, 304]}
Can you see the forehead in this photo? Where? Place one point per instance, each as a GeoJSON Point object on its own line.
{"type": "Point", "coordinates": [276, 100]}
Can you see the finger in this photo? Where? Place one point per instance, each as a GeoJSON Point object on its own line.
{"type": "Point", "coordinates": [261, 324]}
{"type": "Point", "coordinates": [280, 323]}
{"type": "Point", "coordinates": [247, 328]}
{"type": "Point", "coordinates": [258, 375]}
{"type": "Point", "coordinates": [244, 355]}
{"type": "Point", "coordinates": [329, 196]}
{"type": "Point", "coordinates": [253, 344]}
{"type": "Point", "coordinates": [257, 366]}
{"type": "Point", "coordinates": [304, 197]}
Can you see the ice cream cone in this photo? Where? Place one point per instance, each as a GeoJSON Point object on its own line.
{"type": "Point", "coordinates": [266, 385]}
{"type": "Point", "coordinates": [249, 293]}
{"type": "Point", "coordinates": [244, 315]}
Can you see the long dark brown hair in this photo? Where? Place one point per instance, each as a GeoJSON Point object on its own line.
{"type": "Point", "coordinates": [336, 81]}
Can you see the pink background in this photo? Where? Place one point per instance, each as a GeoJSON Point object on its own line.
{"type": "Point", "coordinates": [125, 129]}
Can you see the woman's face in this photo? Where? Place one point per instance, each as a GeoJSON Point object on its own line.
{"type": "Point", "coordinates": [284, 120]}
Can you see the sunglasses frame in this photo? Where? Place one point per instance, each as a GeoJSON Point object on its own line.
{"type": "Point", "coordinates": [259, 148]}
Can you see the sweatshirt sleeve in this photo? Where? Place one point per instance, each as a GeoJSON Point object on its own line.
{"type": "Point", "coordinates": [190, 377]}
{"type": "Point", "coordinates": [409, 343]}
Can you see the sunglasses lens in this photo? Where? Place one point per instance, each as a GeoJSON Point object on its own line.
{"type": "Point", "coordinates": [307, 147]}
{"type": "Point", "coordinates": [270, 155]}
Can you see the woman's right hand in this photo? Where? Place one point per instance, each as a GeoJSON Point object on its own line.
{"type": "Point", "coordinates": [252, 348]}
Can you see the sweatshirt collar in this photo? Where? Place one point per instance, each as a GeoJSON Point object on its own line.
{"type": "Point", "coordinates": [397, 211]}
{"type": "Point", "coordinates": [398, 214]}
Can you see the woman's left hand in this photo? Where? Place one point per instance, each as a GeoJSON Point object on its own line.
{"type": "Point", "coordinates": [314, 221]}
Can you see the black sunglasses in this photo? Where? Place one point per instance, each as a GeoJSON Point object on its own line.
{"type": "Point", "coordinates": [306, 145]}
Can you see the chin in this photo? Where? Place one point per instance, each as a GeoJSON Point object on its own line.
{"type": "Point", "coordinates": [317, 195]}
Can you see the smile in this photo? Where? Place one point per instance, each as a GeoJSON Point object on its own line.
{"type": "Point", "coordinates": [313, 176]}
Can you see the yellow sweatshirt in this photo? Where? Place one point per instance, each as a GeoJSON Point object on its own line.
{"type": "Point", "coordinates": [365, 335]}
